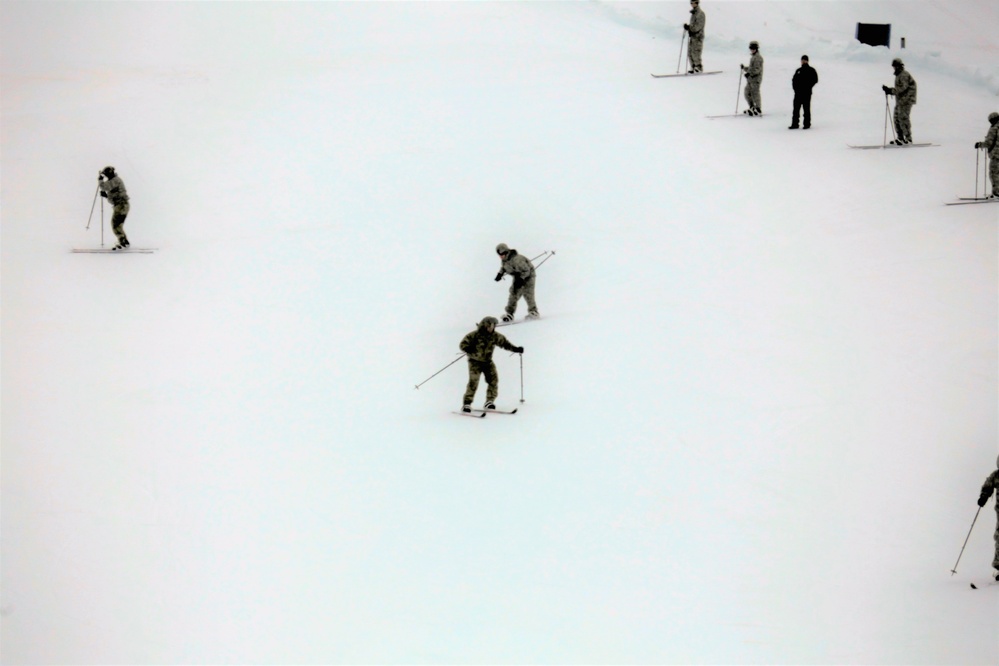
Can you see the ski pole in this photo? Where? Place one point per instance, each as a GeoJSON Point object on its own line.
{"type": "Point", "coordinates": [738, 91]}
{"type": "Point", "coordinates": [887, 113]}
{"type": "Point", "coordinates": [521, 377]}
{"type": "Point", "coordinates": [544, 260]}
{"type": "Point", "coordinates": [954, 570]}
{"type": "Point", "coordinates": [440, 371]}
{"type": "Point", "coordinates": [978, 155]}
{"type": "Point", "coordinates": [679, 57]}
{"type": "Point", "coordinates": [546, 251]}
{"type": "Point", "coordinates": [96, 191]}
{"type": "Point", "coordinates": [102, 222]}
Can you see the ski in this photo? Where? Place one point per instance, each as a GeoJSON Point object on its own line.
{"type": "Point", "coordinates": [668, 76]}
{"type": "Point", "coordinates": [521, 320]}
{"type": "Point", "coordinates": [892, 145]}
{"type": "Point", "coordinates": [130, 250]}
{"type": "Point", "coordinates": [473, 414]}
{"type": "Point", "coordinates": [962, 202]}
{"type": "Point", "coordinates": [735, 115]}
{"type": "Point", "coordinates": [492, 411]}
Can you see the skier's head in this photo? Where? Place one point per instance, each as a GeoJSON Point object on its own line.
{"type": "Point", "coordinates": [488, 323]}
{"type": "Point", "coordinates": [502, 249]}
{"type": "Point", "coordinates": [994, 117]}
{"type": "Point", "coordinates": [804, 59]}
{"type": "Point", "coordinates": [695, 3]}
{"type": "Point", "coordinates": [108, 171]}
{"type": "Point", "coordinates": [754, 45]}
{"type": "Point", "coordinates": [897, 63]}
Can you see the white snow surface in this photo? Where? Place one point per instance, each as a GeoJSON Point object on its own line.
{"type": "Point", "coordinates": [756, 414]}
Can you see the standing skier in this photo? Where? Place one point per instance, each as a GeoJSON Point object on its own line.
{"type": "Point", "coordinates": [522, 270]}
{"type": "Point", "coordinates": [695, 29]}
{"type": "Point", "coordinates": [113, 189]}
{"type": "Point", "coordinates": [754, 77]}
{"type": "Point", "coordinates": [991, 144]}
{"type": "Point", "coordinates": [478, 346]}
{"type": "Point", "coordinates": [992, 484]}
{"type": "Point", "coordinates": [904, 91]}
{"type": "Point", "coordinates": [802, 82]}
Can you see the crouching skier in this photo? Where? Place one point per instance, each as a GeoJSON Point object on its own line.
{"type": "Point", "coordinates": [478, 346]}
{"type": "Point", "coordinates": [992, 485]}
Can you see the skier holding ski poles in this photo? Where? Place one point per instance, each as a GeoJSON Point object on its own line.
{"type": "Point", "coordinates": [904, 91]}
{"type": "Point", "coordinates": [695, 29]}
{"type": "Point", "coordinates": [113, 189]}
{"type": "Point", "coordinates": [522, 270]}
{"type": "Point", "coordinates": [754, 77]}
{"type": "Point", "coordinates": [991, 144]}
{"type": "Point", "coordinates": [478, 346]}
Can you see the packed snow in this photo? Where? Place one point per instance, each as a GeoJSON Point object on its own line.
{"type": "Point", "coordinates": [753, 421]}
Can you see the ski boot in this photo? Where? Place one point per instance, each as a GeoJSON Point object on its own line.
{"type": "Point", "coordinates": [508, 317]}
{"type": "Point", "coordinates": [489, 405]}
{"type": "Point", "coordinates": [466, 408]}
{"type": "Point", "coordinates": [533, 314]}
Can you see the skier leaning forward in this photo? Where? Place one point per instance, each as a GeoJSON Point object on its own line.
{"type": "Point", "coordinates": [478, 346]}
{"type": "Point", "coordinates": [522, 270]}
{"type": "Point", "coordinates": [113, 189]}
{"type": "Point", "coordinates": [992, 485]}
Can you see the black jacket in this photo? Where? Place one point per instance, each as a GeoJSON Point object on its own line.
{"type": "Point", "coordinates": [804, 79]}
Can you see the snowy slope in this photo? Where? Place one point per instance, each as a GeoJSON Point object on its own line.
{"type": "Point", "coordinates": [757, 412]}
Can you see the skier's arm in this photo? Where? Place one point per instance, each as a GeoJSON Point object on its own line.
{"type": "Point", "coordinates": [988, 487]}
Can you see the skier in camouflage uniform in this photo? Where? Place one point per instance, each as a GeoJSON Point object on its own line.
{"type": "Point", "coordinates": [522, 270]}
{"type": "Point", "coordinates": [754, 77]}
{"type": "Point", "coordinates": [113, 189]}
{"type": "Point", "coordinates": [991, 144]}
{"type": "Point", "coordinates": [696, 31]}
{"type": "Point", "coordinates": [478, 346]}
{"type": "Point", "coordinates": [992, 485]}
{"type": "Point", "coordinates": [904, 91]}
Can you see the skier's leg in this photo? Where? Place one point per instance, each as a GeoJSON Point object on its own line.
{"type": "Point", "coordinates": [492, 381]}
{"type": "Point", "coordinates": [511, 301]}
{"type": "Point", "coordinates": [994, 175]}
{"type": "Point", "coordinates": [474, 370]}
{"type": "Point", "coordinates": [532, 306]}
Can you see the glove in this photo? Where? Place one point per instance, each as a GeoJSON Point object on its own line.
{"type": "Point", "coordinates": [499, 276]}
{"type": "Point", "coordinates": [747, 75]}
{"type": "Point", "coordinates": [978, 145]}
{"type": "Point", "coordinates": [104, 194]}
{"type": "Point", "coordinates": [886, 89]}
{"type": "Point", "coordinates": [686, 27]}
{"type": "Point", "coordinates": [983, 499]}
{"type": "Point", "coordinates": [520, 350]}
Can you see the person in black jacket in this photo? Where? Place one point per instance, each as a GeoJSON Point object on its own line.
{"type": "Point", "coordinates": [803, 81]}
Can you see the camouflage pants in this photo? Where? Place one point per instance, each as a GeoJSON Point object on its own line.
{"type": "Point", "coordinates": [694, 52]}
{"type": "Point", "coordinates": [994, 175]}
{"type": "Point", "coordinates": [752, 94]}
{"type": "Point", "coordinates": [118, 222]}
{"type": "Point", "coordinates": [995, 560]}
{"type": "Point", "coordinates": [903, 128]}
{"type": "Point", "coordinates": [475, 369]}
{"type": "Point", "coordinates": [523, 290]}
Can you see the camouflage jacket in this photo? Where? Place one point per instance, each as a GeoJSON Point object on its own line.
{"type": "Point", "coordinates": [697, 21]}
{"type": "Point", "coordinates": [479, 344]}
{"type": "Point", "coordinates": [115, 190]}
{"type": "Point", "coordinates": [754, 70]}
{"type": "Point", "coordinates": [905, 88]}
{"type": "Point", "coordinates": [517, 265]}
{"type": "Point", "coordinates": [991, 142]}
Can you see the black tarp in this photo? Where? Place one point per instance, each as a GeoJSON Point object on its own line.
{"type": "Point", "coordinates": [875, 34]}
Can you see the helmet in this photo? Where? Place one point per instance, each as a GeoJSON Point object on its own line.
{"type": "Point", "coordinates": [754, 45]}
{"type": "Point", "coordinates": [108, 171]}
{"type": "Point", "coordinates": [897, 62]}
{"type": "Point", "coordinates": [488, 320]}
{"type": "Point", "coordinates": [993, 117]}
{"type": "Point", "coordinates": [502, 248]}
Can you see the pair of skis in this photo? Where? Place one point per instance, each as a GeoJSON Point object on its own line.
{"type": "Point", "coordinates": [481, 413]}
{"type": "Point", "coordinates": [679, 74]}
{"type": "Point", "coordinates": [961, 201]}
{"type": "Point", "coordinates": [890, 146]}
{"type": "Point", "coordinates": [128, 250]}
